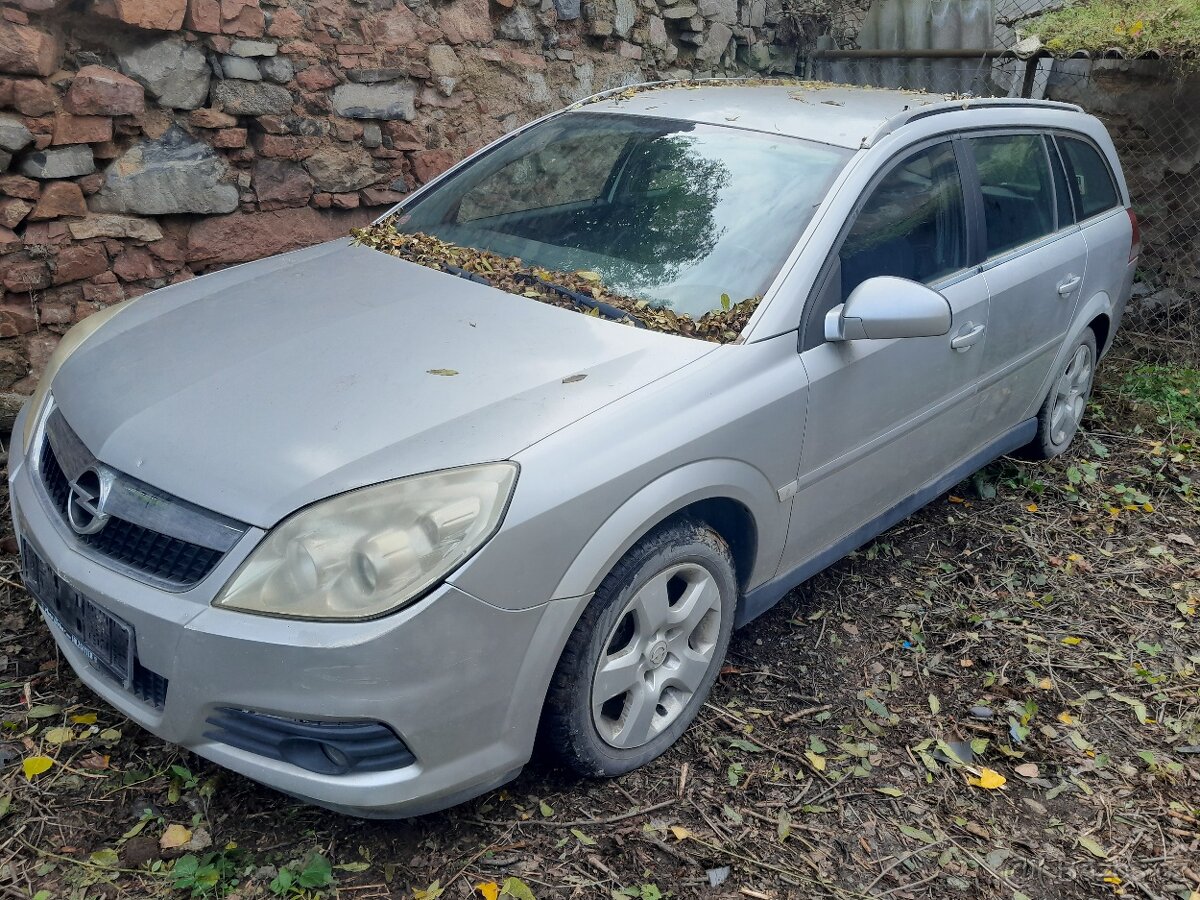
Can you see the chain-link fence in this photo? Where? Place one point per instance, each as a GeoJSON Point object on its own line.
{"type": "Point", "coordinates": [1151, 107]}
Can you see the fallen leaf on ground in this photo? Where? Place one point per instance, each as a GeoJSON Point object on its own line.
{"type": "Point", "coordinates": [517, 889]}
{"type": "Point", "coordinates": [174, 836]}
{"type": "Point", "coordinates": [1092, 847]}
{"type": "Point", "coordinates": [59, 735]}
{"type": "Point", "coordinates": [35, 766]}
{"type": "Point", "coordinates": [489, 890]}
{"type": "Point", "coordinates": [989, 779]}
{"type": "Point", "coordinates": [1028, 770]}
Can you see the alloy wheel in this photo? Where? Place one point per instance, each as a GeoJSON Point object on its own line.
{"type": "Point", "coordinates": [1070, 398]}
{"type": "Point", "coordinates": [656, 656]}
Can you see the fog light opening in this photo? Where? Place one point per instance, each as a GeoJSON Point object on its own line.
{"type": "Point", "coordinates": [336, 756]}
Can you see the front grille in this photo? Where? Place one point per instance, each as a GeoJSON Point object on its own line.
{"type": "Point", "coordinates": [162, 557]}
{"type": "Point", "coordinates": [330, 748]}
{"type": "Point", "coordinates": [148, 686]}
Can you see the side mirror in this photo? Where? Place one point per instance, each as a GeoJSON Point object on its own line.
{"type": "Point", "coordinates": [889, 307]}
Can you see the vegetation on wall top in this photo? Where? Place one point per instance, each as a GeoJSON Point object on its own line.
{"type": "Point", "coordinates": [1171, 28]}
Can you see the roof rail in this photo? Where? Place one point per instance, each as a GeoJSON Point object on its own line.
{"type": "Point", "coordinates": [922, 112]}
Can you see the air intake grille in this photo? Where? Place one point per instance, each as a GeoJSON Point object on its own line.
{"type": "Point", "coordinates": [166, 559]}
{"type": "Point", "coordinates": [330, 748]}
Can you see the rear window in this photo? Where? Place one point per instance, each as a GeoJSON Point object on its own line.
{"type": "Point", "coordinates": [1095, 189]}
{"type": "Point", "coordinates": [1018, 193]}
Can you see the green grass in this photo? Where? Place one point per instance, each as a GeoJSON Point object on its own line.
{"type": "Point", "coordinates": [1172, 27]}
{"type": "Point", "coordinates": [1172, 392]}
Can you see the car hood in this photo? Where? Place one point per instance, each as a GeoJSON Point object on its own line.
{"type": "Point", "coordinates": [257, 390]}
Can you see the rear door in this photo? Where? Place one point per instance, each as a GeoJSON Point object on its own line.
{"type": "Point", "coordinates": [888, 417]}
{"type": "Point", "coordinates": [1103, 220]}
{"type": "Point", "coordinates": [1035, 262]}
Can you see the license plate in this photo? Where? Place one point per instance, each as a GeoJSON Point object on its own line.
{"type": "Point", "coordinates": [105, 640]}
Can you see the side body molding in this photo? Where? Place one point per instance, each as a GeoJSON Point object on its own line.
{"type": "Point", "coordinates": [702, 480]}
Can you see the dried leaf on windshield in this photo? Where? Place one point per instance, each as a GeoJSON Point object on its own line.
{"type": "Point", "coordinates": [510, 274]}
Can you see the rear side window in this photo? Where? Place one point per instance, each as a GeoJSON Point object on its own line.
{"type": "Point", "coordinates": [913, 225]}
{"type": "Point", "coordinates": [1018, 193]}
{"type": "Point", "coordinates": [1095, 189]}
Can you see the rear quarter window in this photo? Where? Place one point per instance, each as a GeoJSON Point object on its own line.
{"type": "Point", "coordinates": [1091, 178]}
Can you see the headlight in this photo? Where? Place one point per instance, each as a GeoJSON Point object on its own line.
{"type": "Point", "coordinates": [70, 342]}
{"type": "Point", "coordinates": [369, 552]}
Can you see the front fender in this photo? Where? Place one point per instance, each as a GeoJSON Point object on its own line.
{"type": "Point", "coordinates": [703, 480]}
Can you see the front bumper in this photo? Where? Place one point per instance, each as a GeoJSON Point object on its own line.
{"type": "Point", "coordinates": [459, 680]}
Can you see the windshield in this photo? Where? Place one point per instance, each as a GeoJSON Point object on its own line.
{"type": "Point", "coordinates": [673, 213]}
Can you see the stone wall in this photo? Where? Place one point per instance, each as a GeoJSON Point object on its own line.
{"type": "Point", "coordinates": [144, 142]}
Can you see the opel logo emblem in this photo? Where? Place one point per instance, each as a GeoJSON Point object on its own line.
{"type": "Point", "coordinates": [85, 505]}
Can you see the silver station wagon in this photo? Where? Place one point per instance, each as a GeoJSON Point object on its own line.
{"type": "Point", "coordinates": [368, 529]}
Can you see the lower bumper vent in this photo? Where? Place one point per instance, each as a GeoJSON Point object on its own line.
{"type": "Point", "coordinates": [328, 748]}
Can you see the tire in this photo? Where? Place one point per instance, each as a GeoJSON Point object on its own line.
{"type": "Point", "coordinates": [668, 653]}
{"type": "Point", "coordinates": [1058, 419]}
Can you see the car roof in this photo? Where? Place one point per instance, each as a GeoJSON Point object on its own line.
{"type": "Point", "coordinates": [839, 114]}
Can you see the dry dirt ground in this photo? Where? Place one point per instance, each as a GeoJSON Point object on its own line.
{"type": "Point", "coordinates": [998, 698]}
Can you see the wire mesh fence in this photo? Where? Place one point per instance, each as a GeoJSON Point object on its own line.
{"type": "Point", "coordinates": [1151, 108]}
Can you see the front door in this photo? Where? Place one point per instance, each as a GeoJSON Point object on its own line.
{"type": "Point", "coordinates": [887, 418]}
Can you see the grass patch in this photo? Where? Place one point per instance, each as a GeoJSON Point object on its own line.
{"type": "Point", "coordinates": [1172, 392]}
{"type": "Point", "coordinates": [1172, 28]}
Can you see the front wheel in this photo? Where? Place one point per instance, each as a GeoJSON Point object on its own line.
{"type": "Point", "coordinates": [644, 654]}
{"type": "Point", "coordinates": [1058, 419]}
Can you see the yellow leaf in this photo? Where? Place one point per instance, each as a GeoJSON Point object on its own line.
{"type": "Point", "coordinates": [1137, 28]}
{"type": "Point", "coordinates": [1045, 684]}
{"type": "Point", "coordinates": [1110, 878]}
{"type": "Point", "coordinates": [84, 719]}
{"type": "Point", "coordinates": [1066, 718]}
{"type": "Point", "coordinates": [59, 735]}
{"type": "Point", "coordinates": [489, 890]}
{"type": "Point", "coordinates": [174, 836]}
{"type": "Point", "coordinates": [817, 760]}
{"type": "Point", "coordinates": [988, 779]}
{"type": "Point", "coordinates": [954, 499]}
{"type": "Point", "coordinates": [1071, 641]}
{"type": "Point", "coordinates": [1032, 507]}
{"type": "Point", "coordinates": [35, 766]}
{"type": "Point", "coordinates": [680, 832]}
{"type": "Point", "coordinates": [1148, 507]}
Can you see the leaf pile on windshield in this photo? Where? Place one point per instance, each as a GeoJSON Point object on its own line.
{"type": "Point", "coordinates": [583, 292]}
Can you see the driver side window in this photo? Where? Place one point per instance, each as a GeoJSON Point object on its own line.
{"type": "Point", "coordinates": [913, 225]}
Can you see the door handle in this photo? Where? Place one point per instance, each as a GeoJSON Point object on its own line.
{"type": "Point", "coordinates": [1069, 284]}
{"type": "Point", "coordinates": [968, 337]}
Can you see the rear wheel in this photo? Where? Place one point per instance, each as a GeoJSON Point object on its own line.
{"type": "Point", "coordinates": [645, 653]}
{"type": "Point", "coordinates": [1058, 419]}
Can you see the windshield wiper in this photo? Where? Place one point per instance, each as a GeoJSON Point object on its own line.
{"type": "Point", "coordinates": [605, 309]}
{"type": "Point", "coordinates": [460, 272]}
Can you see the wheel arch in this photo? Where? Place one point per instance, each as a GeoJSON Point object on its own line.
{"type": "Point", "coordinates": [1098, 307]}
{"type": "Point", "coordinates": [1101, 326]}
{"type": "Point", "coordinates": [733, 498]}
